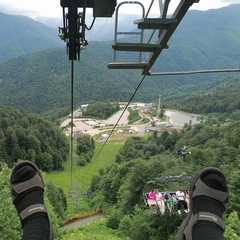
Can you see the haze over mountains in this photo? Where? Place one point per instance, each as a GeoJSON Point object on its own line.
{"type": "Point", "coordinates": [22, 35]}
{"type": "Point", "coordinates": [103, 28]}
{"type": "Point", "coordinates": [35, 71]}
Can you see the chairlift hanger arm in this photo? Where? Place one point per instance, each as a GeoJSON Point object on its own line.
{"type": "Point", "coordinates": [165, 35]}
{"type": "Point", "coordinates": [182, 152]}
{"type": "Point", "coordinates": [73, 30]}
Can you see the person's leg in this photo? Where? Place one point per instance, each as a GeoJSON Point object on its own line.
{"type": "Point", "coordinates": [179, 206]}
{"type": "Point", "coordinates": [26, 187]}
{"type": "Point", "coordinates": [159, 203]}
{"type": "Point", "coordinates": [156, 206]}
{"type": "Point", "coordinates": [185, 206]}
{"type": "Point", "coordinates": [162, 207]}
{"type": "Point", "coordinates": [169, 206]}
{"type": "Point", "coordinates": [210, 205]}
{"type": "Point", "coordinates": [149, 205]}
{"type": "Point", "coordinates": [208, 198]}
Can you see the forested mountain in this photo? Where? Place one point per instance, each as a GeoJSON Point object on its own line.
{"type": "Point", "coordinates": [223, 99]}
{"type": "Point", "coordinates": [41, 81]}
{"type": "Point", "coordinates": [204, 40]}
{"type": "Point", "coordinates": [26, 136]}
{"type": "Point", "coordinates": [22, 35]}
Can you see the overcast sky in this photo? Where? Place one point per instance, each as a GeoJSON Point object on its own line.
{"type": "Point", "coordinates": [52, 8]}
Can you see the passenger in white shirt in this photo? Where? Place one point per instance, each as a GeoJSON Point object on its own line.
{"type": "Point", "coordinates": [160, 202]}
{"type": "Point", "coordinates": [180, 195]}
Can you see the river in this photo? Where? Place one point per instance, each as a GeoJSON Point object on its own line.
{"type": "Point", "coordinates": [180, 118]}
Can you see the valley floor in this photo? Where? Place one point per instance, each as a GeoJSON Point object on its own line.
{"type": "Point", "coordinates": [175, 120]}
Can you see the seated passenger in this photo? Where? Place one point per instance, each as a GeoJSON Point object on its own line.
{"type": "Point", "coordinates": [187, 199]}
{"type": "Point", "coordinates": [160, 202]}
{"type": "Point", "coordinates": [168, 199]}
{"type": "Point", "coordinates": [175, 201]}
{"type": "Point", "coordinates": [152, 200]}
{"type": "Point", "coordinates": [180, 195]}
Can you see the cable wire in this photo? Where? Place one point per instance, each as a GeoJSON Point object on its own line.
{"type": "Point", "coordinates": [117, 122]}
{"type": "Point", "coordinates": [71, 134]}
{"type": "Point", "coordinates": [213, 135]}
{"type": "Point", "coordinates": [89, 28]}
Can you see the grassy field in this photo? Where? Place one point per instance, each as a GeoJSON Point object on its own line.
{"type": "Point", "coordinates": [104, 156]}
{"type": "Point", "coordinates": [80, 177]}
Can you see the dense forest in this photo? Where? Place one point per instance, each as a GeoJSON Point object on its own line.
{"type": "Point", "coordinates": [85, 149]}
{"type": "Point", "coordinates": [223, 99]}
{"type": "Point", "coordinates": [118, 190]}
{"type": "Point", "coordinates": [26, 136]}
{"type": "Point", "coordinates": [102, 110]}
{"type": "Point", "coordinates": [41, 82]}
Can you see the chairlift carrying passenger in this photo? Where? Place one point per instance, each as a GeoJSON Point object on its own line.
{"type": "Point", "coordinates": [164, 179]}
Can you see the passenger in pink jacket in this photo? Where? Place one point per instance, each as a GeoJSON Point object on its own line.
{"type": "Point", "coordinates": [152, 201]}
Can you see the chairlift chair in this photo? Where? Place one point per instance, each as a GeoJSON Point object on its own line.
{"type": "Point", "coordinates": [164, 179]}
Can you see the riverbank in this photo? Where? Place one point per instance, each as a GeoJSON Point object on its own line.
{"type": "Point", "coordinates": [180, 118]}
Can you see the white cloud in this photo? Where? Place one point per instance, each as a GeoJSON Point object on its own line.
{"type": "Point", "coordinates": [201, 5]}
{"type": "Point", "coordinates": [52, 8]}
{"type": "Point", "coordinates": [230, 1]}
{"type": "Point", "coordinates": [206, 4]}
{"type": "Point", "coordinates": [32, 8]}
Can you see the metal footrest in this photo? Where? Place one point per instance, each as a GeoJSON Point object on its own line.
{"type": "Point", "coordinates": [127, 65]}
{"type": "Point", "coordinates": [154, 23]}
{"type": "Point", "coordinates": [136, 47]}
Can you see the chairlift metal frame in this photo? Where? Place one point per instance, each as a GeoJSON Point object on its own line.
{"type": "Point", "coordinates": [165, 27]}
{"type": "Point", "coordinates": [166, 179]}
{"type": "Point", "coordinates": [74, 27]}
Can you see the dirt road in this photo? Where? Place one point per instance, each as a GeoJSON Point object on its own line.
{"type": "Point", "coordinates": [116, 116]}
{"type": "Point", "coordinates": [83, 221]}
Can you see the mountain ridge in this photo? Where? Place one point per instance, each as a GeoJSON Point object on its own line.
{"type": "Point", "coordinates": [41, 81]}
{"type": "Point", "coordinates": [22, 35]}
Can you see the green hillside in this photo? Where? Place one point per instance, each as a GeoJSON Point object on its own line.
{"type": "Point", "coordinates": [41, 81]}
{"type": "Point", "coordinates": [26, 136]}
{"type": "Point", "coordinates": [224, 99]}
{"type": "Point", "coordinates": [22, 35]}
